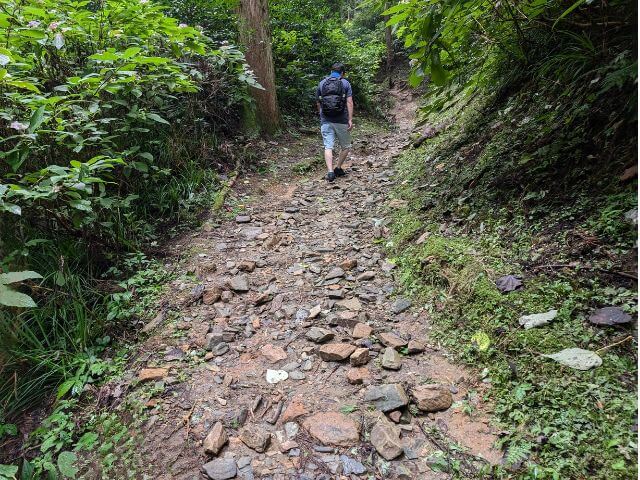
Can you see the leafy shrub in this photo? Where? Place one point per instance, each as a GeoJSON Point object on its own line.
{"type": "Point", "coordinates": [109, 118]}
{"type": "Point", "coordinates": [86, 95]}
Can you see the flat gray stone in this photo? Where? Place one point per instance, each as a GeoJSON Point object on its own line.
{"type": "Point", "coordinates": [351, 466]}
{"type": "Point", "coordinates": [386, 397]}
{"type": "Point", "coordinates": [220, 469]}
{"type": "Point", "coordinates": [319, 335]}
{"type": "Point", "coordinates": [239, 283]}
{"type": "Point", "coordinates": [400, 305]}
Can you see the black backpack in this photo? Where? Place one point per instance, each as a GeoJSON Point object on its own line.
{"type": "Point", "coordinates": [332, 96]}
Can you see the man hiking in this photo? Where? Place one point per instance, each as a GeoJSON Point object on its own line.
{"type": "Point", "coordinates": [335, 105]}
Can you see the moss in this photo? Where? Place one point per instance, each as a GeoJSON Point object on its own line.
{"type": "Point", "coordinates": [461, 189]}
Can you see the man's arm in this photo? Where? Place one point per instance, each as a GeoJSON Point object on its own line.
{"type": "Point", "coordinates": [350, 111]}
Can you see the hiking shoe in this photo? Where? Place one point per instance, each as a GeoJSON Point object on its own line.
{"type": "Point", "coordinates": [339, 172]}
{"type": "Point", "coordinates": [331, 176]}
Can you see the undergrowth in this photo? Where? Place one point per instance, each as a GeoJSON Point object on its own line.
{"type": "Point", "coordinates": [507, 189]}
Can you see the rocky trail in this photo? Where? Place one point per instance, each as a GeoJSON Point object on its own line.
{"type": "Point", "coordinates": [293, 356]}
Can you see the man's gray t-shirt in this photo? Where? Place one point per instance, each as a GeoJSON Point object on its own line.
{"type": "Point", "coordinates": [344, 116]}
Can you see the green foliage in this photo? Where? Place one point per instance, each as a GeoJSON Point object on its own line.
{"type": "Point", "coordinates": [504, 188]}
{"type": "Point", "coordinates": [96, 105]}
{"type": "Point", "coordinates": [307, 38]}
{"type": "Point", "coordinates": [445, 38]}
{"type": "Point", "coordinates": [10, 297]}
{"type": "Point", "coordinates": [102, 107]}
{"type": "Point", "coordinates": [8, 472]}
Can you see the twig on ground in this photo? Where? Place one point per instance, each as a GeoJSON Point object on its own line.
{"type": "Point", "coordinates": [558, 266]}
{"type": "Point", "coordinates": [607, 347]}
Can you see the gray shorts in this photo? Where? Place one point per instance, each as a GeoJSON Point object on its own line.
{"type": "Point", "coordinates": [331, 131]}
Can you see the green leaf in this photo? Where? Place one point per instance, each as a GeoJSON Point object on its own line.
{"type": "Point", "coordinates": [24, 85]}
{"type": "Point", "coordinates": [153, 60]}
{"type": "Point", "coordinates": [87, 441]}
{"type": "Point", "coordinates": [438, 74]}
{"type": "Point", "coordinates": [8, 472]}
{"type": "Point", "coordinates": [9, 429]}
{"type": "Point", "coordinates": [568, 11]}
{"type": "Point", "coordinates": [157, 118]}
{"type": "Point", "coordinates": [11, 298]}
{"type": "Point", "coordinates": [104, 57]}
{"type": "Point", "coordinates": [14, 277]}
{"type": "Point", "coordinates": [28, 472]}
{"type": "Point", "coordinates": [84, 205]}
{"type": "Point", "coordinates": [65, 387]}
{"type": "Point", "coordinates": [140, 166]}
{"type": "Point", "coordinates": [36, 119]}
{"type": "Point", "coordinates": [131, 51]}
{"type": "Point", "coordinates": [66, 461]}
{"type": "Point", "coordinates": [397, 19]}
{"type": "Point", "coordinates": [481, 340]}
{"type": "Point", "coordinates": [415, 78]}
{"type": "Point", "coordinates": [395, 9]}
{"type": "Point", "coordinates": [32, 33]}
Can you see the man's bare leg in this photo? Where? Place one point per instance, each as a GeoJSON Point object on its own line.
{"type": "Point", "coordinates": [328, 158]}
{"type": "Point", "coordinates": [342, 157]}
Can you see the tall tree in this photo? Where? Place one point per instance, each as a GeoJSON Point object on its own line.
{"type": "Point", "coordinates": [255, 35]}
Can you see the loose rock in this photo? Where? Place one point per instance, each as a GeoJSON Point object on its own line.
{"type": "Point", "coordinates": [294, 410]}
{"type": "Point", "coordinates": [432, 398]}
{"type": "Point", "coordinates": [220, 349]}
{"type": "Point", "coordinates": [319, 335]}
{"type": "Point", "coordinates": [211, 295]}
{"type": "Point", "coordinates": [247, 266]}
{"type": "Point", "coordinates": [391, 359]}
{"type": "Point", "coordinates": [335, 272]}
{"type": "Point", "coordinates": [357, 376]}
{"type": "Point", "coordinates": [276, 376]}
{"type": "Point", "coordinates": [400, 305]}
{"type": "Point", "coordinates": [349, 264]}
{"type": "Point", "coordinates": [215, 440]}
{"type": "Point", "coordinates": [333, 428]}
{"type": "Point", "coordinates": [387, 397]}
{"type": "Point", "coordinates": [359, 357]}
{"type": "Point", "coordinates": [351, 466]}
{"type": "Point", "coordinates": [351, 304]}
{"type": "Point", "coordinates": [255, 438]}
{"type": "Point", "coordinates": [385, 438]}
{"type": "Point", "coordinates": [220, 469]}
{"type": "Point", "coordinates": [148, 374]}
{"type": "Point", "coordinates": [362, 330]}
{"type": "Point", "coordinates": [392, 340]}
{"type": "Point", "coordinates": [273, 353]}
{"type": "Point", "coordinates": [416, 346]}
{"type": "Point", "coordinates": [364, 276]}
{"type": "Point", "coordinates": [335, 352]}
{"type": "Point", "coordinates": [239, 283]}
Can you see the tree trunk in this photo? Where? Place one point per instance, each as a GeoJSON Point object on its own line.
{"type": "Point", "coordinates": [388, 40]}
{"type": "Point", "coordinates": [255, 35]}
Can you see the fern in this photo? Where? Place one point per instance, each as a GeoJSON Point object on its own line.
{"type": "Point", "coordinates": [518, 453]}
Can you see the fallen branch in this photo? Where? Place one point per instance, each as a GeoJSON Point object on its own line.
{"type": "Point", "coordinates": [559, 266]}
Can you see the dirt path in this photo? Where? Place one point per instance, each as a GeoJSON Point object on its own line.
{"type": "Point", "coordinates": [285, 287]}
